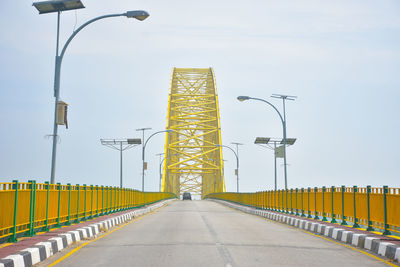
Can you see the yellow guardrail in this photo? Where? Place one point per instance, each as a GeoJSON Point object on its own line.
{"type": "Point", "coordinates": [371, 207]}
{"type": "Point", "coordinates": [29, 207]}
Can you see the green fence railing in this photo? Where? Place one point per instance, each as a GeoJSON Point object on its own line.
{"type": "Point", "coordinates": [371, 207]}
{"type": "Point", "coordinates": [26, 208]}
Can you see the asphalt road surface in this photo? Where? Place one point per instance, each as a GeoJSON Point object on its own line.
{"type": "Point", "coordinates": [205, 233]}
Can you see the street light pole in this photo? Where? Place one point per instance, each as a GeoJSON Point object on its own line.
{"type": "Point", "coordinates": [283, 120]}
{"type": "Point", "coordinates": [120, 145]}
{"type": "Point", "coordinates": [143, 129]}
{"type": "Point", "coordinates": [144, 150]}
{"type": "Point", "coordinates": [237, 165]}
{"type": "Point", "coordinates": [138, 14]}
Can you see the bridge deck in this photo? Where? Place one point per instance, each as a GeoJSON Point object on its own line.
{"type": "Point", "coordinates": [205, 233]}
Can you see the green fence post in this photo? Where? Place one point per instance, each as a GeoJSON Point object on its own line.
{"type": "Point", "coordinates": [46, 226]}
{"type": "Point", "coordinates": [129, 198]}
{"type": "Point", "coordinates": [302, 208]}
{"type": "Point", "coordinates": [105, 197]}
{"type": "Point", "coordinates": [343, 216]}
{"type": "Point", "coordinates": [126, 198]}
{"type": "Point", "coordinates": [297, 210]}
{"type": "Point", "coordinates": [107, 202]}
{"type": "Point", "coordinates": [369, 228]}
{"type": "Point", "coordinates": [115, 199]}
{"type": "Point", "coordinates": [118, 198]}
{"type": "Point", "coordinates": [385, 192]}
{"type": "Point", "coordinates": [111, 199]}
{"type": "Point", "coordinates": [68, 222]}
{"type": "Point", "coordinates": [315, 204]}
{"type": "Point", "coordinates": [84, 205]}
{"type": "Point", "coordinates": [323, 204]}
{"type": "Point", "coordinates": [91, 208]}
{"type": "Point", "coordinates": [31, 231]}
{"type": "Point", "coordinates": [30, 186]}
{"type": "Point", "coordinates": [77, 220]}
{"type": "Point", "coordinates": [102, 200]}
{"type": "Point", "coordinates": [308, 200]}
{"type": "Point", "coordinates": [332, 206]}
{"type": "Point", "coordinates": [264, 200]}
{"type": "Point", "coordinates": [34, 208]}
{"type": "Point", "coordinates": [286, 202]}
{"type": "Point", "coordinates": [355, 225]}
{"type": "Point", "coordinates": [97, 205]}
{"type": "Point", "coordinates": [58, 225]}
{"type": "Point", "coordinates": [13, 237]}
{"type": "Point", "coordinates": [291, 201]}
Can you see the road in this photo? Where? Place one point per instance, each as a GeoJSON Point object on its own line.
{"type": "Point", "coordinates": [205, 233]}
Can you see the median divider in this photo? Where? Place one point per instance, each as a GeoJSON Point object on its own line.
{"type": "Point", "coordinates": [36, 249]}
{"type": "Point", "coordinates": [385, 246]}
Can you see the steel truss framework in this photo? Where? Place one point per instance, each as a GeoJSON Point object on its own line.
{"type": "Point", "coordinates": [193, 162]}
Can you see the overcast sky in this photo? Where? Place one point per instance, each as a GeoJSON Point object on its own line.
{"type": "Point", "coordinates": [341, 58]}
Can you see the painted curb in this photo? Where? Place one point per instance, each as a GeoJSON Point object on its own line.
{"type": "Point", "coordinates": [363, 241]}
{"type": "Point", "coordinates": [43, 250]}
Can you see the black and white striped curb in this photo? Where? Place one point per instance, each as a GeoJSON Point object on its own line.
{"type": "Point", "coordinates": [371, 243]}
{"type": "Point", "coordinates": [42, 250]}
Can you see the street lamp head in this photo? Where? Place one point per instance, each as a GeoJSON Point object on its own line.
{"type": "Point", "coordinates": [262, 140]}
{"type": "Point", "coordinates": [57, 6]}
{"type": "Point", "coordinates": [243, 98]}
{"type": "Point", "coordinates": [137, 14]}
{"type": "Point", "coordinates": [134, 141]}
{"type": "Point", "coordinates": [169, 131]}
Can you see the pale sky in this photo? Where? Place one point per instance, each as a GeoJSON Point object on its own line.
{"type": "Point", "coordinates": [341, 58]}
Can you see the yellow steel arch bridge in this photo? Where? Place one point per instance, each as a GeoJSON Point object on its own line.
{"type": "Point", "coordinates": [193, 157]}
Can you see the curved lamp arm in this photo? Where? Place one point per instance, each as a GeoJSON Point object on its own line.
{"type": "Point", "coordinates": [138, 14]}
{"type": "Point", "coordinates": [83, 26]}
{"type": "Point", "coordinates": [237, 158]}
{"type": "Point", "coordinates": [243, 98]}
{"type": "Point", "coordinates": [164, 131]}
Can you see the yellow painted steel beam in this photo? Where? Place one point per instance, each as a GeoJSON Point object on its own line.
{"type": "Point", "coordinates": [193, 163]}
